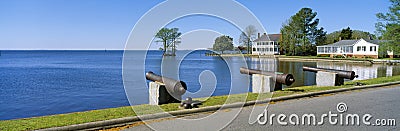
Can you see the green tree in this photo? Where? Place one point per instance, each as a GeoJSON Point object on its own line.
{"type": "Point", "coordinates": [332, 37]}
{"type": "Point", "coordinates": [346, 34]}
{"type": "Point", "coordinates": [223, 43]}
{"type": "Point", "coordinates": [247, 36]}
{"type": "Point", "coordinates": [168, 38]}
{"type": "Point", "coordinates": [388, 27]}
{"type": "Point", "coordinates": [300, 34]}
{"type": "Point", "coordinates": [356, 34]}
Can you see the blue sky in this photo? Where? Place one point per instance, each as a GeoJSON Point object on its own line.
{"type": "Point", "coordinates": [106, 24]}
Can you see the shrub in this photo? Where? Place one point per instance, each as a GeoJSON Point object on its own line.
{"type": "Point", "coordinates": [319, 55]}
{"type": "Point", "coordinates": [367, 57]}
{"type": "Point", "coordinates": [339, 56]}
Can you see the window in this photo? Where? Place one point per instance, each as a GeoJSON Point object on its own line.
{"type": "Point", "coordinates": [372, 48]}
{"type": "Point", "coordinates": [320, 49]}
{"type": "Point", "coordinates": [349, 49]}
{"type": "Point", "coordinates": [327, 50]}
{"type": "Point", "coordinates": [254, 49]}
{"type": "Point", "coordinates": [361, 48]}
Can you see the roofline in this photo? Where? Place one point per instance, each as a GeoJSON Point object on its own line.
{"type": "Point", "coordinates": [333, 46]}
{"type": "Point", "coordinates": [347, 45]}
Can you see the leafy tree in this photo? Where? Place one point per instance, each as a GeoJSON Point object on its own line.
{"type": "Point", "coordinates": [356, 34]}
{"type": "Point", "coordinates": [247, 36]}
{"type": "Point", "coordinates": [223, 43]}
{"type": "Point", "coordinates": [300, 34]}
{"type": "Point", "coordinates": [289, 40]}
{"type": "Point", "coordinates": [346, 34]}
{"type": "Point", "coordinates": [332, 37]}
{"type": "Point", "coordinates": [388, 27]}
{"type": "Point", "coordinates": [168, 38]}
{"type": "Point", "coordinates": [320, 38]}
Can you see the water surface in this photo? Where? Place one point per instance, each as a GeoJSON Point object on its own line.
{"type": "Point", "coordinates": [37, 83]}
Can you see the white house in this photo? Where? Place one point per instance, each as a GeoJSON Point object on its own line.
{"type": "Point", "coordinates": [351, 48]}
{"type": "Point", "coordinates": [266, 44]}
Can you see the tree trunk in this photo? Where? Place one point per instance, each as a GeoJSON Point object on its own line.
{"type": "Point", "coordinates": [165, 47]}
{"type": "Point", "coordinates": [249, 49]}
{"type": "Point", "coordinates": [173, 49]}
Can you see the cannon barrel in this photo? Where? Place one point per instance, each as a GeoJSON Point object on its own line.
{"type": "Point", "coordinates": [174, 87]}
{"type": "Point", "coordinates": [341, 73]}
{"type": "Point", "coordinates": [286, 79]}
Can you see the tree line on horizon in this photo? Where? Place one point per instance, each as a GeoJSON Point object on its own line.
{"type": "Point", "coordinates": [301, 34]}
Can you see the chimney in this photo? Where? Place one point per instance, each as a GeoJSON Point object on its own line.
{"type": "Point", "coordinates": [258, 35]}
{"type": "Point", "coordinates": [340, 38]}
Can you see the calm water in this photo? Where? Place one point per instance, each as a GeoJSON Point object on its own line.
{"type": "Point", "coordinates": [37, 83]}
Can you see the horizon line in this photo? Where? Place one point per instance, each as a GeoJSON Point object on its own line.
{"type": "Point", "coordinates": [84, 49]}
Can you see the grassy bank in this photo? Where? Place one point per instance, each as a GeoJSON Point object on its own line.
{"type": "Point", "coordinates": [112, 113]}
{"type": "Point", "coordinates": [306, 57]}
{"type": "Point", "coordinates": [291, 58]}
{"type": "Point", "coordinates": [326, 58]}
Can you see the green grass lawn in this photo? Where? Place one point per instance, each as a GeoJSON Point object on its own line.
{"type": "Point", "coordinates": [112, 113]}
{"type": "Point", "coordinates": [390, 58]}
{"type": "Point", "coordinates": [328, 58]}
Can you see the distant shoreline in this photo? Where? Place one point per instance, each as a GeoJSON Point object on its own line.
{"type": "Point", "coordinates": [313, 58]}
{"type": "Point", "coordinates": [80, 50]}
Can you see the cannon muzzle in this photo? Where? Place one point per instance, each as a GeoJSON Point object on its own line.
{"type": "Point", "coordinates": [341, 73]}
{"type": "Point", "coordinates": [281, 78]}
{"type": "Point", "coordinates": [174, 87]}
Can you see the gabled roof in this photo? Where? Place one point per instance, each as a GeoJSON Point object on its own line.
{"type": "Point", "coordinates": [269, 37]}
{"type": "Point", "coordinates": [351, 42]}
{"type": "Point", "coordinates": [377, 42]}
{"type": "Point", "coordinates": [343, 43]}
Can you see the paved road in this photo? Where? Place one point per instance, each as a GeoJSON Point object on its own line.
{"type": "Point", "coordinates": [380, 103]}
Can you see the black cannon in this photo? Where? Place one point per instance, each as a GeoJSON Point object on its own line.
{"type": "Point", "coordinates": [286, 79]}
{"type": "Point", "coordinates": [341, 73]}
{"type": "Point", "coordinates": [174, 87]}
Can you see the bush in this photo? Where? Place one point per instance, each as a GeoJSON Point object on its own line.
{"type": "Point", "coordinates": [319, 55]}
{"type": "Point", "coordinates": [367, 57]}
{"type": "Point", "coordinates": [339, 56]}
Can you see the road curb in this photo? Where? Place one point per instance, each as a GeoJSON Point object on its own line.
{"type": "Point", "coordinates": [125, 120]}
